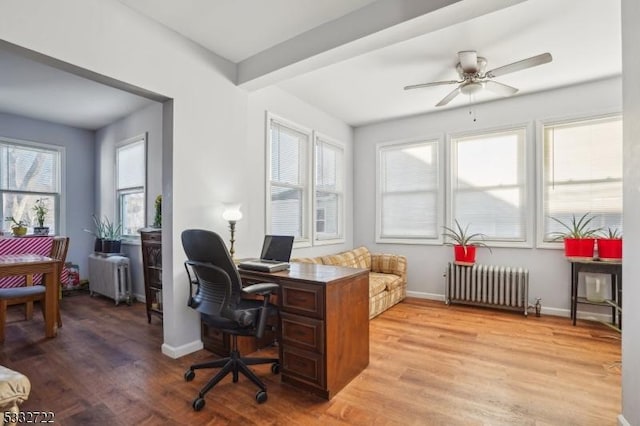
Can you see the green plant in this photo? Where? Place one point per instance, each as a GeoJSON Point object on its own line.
{"type": "Point", "coordinates": [463, 238]}
{"type": "Point", "coordinates": [41, 210]}
{"type": "Point", "coordinates": [577, 228]}
{"type": "Point", "coordinates": [100, 231]}
{"type": "Point", "coordinates": [157, 220]}
{"type": "Point", "coordinates": [111, 230]}
{"type": "Point", "coordinates": [611, 233]}
{"type": "Point", "coordinates": [16, 223]}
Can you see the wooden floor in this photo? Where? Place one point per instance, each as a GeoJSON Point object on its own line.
{"type": "Point", "coordinates": [430, 365]}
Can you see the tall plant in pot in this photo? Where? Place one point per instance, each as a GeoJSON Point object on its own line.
{"type": "Point", "coordinates": [112, 237]}
{"type": "Point", "coordinates": [610, 245]}
{"type": "Point", "coordinates": [40, 208]}
{"type": "Point", "coordinates": [579, 236]}
{"type": "Point", "coordinates": [464, 243]}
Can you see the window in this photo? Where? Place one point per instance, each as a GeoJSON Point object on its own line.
{"type": "Point", "coordinates": [130, 186]}
{"type": "Point", "coordinates": [329, 196]}
{"type": "Point", "coordinates": [408, 192]}
{"type": "Point", "coordinates": [582, 173]}
{"type": "Point", "coordinates": [488, 190]}
{"type": "Point", "coordinates": [29, 172]}
{"type": "Point", "coordinates": [288, 193]}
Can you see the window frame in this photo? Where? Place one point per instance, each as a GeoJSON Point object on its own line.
{"type": "Point", "coordinates": [440, 190]}
{"type": "Point", "coordinates": [526, 177]}
{"type": "Point", "coordinates": [59, 196]}
{"type": "Point", "coordinates": [319, 137]}
{"type": "Point", "coordinates": [540, 128]}
{"type": "Point", "coordinates": [306, 240]}
{"type": "Point", "coordinates": [120, 192]}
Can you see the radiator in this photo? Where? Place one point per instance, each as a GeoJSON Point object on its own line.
{"type": "Point", "coordinates": [487, 285]}
{"type": "Point", "coordinates": [110, 276]}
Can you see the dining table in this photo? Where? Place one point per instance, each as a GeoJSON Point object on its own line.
{"type": "Point", "coordinates": [31, 264]}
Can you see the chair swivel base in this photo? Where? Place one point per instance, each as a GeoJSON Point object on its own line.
{"type": "Point", "coordinates": [234, 364]}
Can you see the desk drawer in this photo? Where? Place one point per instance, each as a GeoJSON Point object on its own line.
{"type": "Point", "coordinates": [302, 299]}
{"type": "Point", "coordinates": [303, 365]}
{"type": "Point", "coordinates": [302, 332]}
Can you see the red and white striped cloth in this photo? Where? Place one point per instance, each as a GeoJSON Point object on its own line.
{"type": "Point", "coordinates": [27, 245]}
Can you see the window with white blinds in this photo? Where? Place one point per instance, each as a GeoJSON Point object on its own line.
{"type": "Point", "coordinates": [288, 198]}
{"type": "Point", "coordinates": [582, 173]}
{"type": "Point", "coordinates": [30, 172]}
{"type": "Point", "coordinates": [488, 184]}
{"type": "Point", "coordinates": [329, 192]}
{"type": "Point", "coordinates": [131, 175]}
{"type": "Point", "coordinates": [408, 192]}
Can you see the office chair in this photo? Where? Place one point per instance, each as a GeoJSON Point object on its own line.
{"type": "Point", "coordinates": [216, 293]}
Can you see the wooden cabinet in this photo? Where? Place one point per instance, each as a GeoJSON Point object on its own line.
{"type": "Point", "coordinates": [152, 265]}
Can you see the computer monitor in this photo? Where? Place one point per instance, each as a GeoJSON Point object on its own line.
{"type": "Point", "coordinates": [277, 247]}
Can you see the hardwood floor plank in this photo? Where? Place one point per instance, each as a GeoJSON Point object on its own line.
{"type": "Point", "coordinates": [430, 364]}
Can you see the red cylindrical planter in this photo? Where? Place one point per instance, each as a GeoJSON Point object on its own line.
{"type": "Point", "coordinates": [464, 257]}
{"type": "Point", "coordinates": [610, 248]}
{"type": "Point", "coordinates": [579, 247]}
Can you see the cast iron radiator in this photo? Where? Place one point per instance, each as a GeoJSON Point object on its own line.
{"type": "Point", "coordinates": [487, 285]}
{"type": "Point", "coordinates": [110, 276]}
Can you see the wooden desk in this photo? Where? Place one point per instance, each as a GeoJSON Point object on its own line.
{"type": "Point", "coordinates": [28, 264]}
{"type": "Point", "coordinates": [596, 266]}
{"type": "Point", "coordinates": [324, 330]}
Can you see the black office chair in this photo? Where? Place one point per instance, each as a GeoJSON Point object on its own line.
{"type": "Point", "coordinates": [216, 292]}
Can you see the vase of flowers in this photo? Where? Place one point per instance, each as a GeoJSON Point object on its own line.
{"type": "Point", "coordinates": [40, 208]}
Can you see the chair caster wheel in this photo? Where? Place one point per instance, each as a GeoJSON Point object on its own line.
{"type": "Point", "coordinates": [275, 368]}
{"type": "Point", "coordinates": [198, 404]}
{"type": "Point", "coordinates": [261, 396]}
{"type": "Point", "coordinates": [189, 375]}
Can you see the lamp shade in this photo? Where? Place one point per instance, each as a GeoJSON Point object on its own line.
{"type": "Point", "coordinates": [232, 213]}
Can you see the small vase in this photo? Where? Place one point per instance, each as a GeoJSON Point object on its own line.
{"type": "Point", "coordinates": [40, 230]}
{"type": "Point", "coordinates": [464, 257]}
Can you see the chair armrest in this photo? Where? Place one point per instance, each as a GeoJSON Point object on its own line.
{"type": "Point", "coordinates": [389, 264]}
{"type": "Point", "coordinates": [260, 288]}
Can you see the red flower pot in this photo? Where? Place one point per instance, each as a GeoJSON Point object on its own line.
{"type": "Point", "coordinates": [464, 257]}
{"type": "Point", "coordinates": [609, 248]}
{"type": "Point", "coordinates": [579, 247]}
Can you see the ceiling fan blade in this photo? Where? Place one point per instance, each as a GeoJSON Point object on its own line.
{"type": "Point", "coordinates": [435, 83]}
{"type": "Point", "coordinates": [455, 92]}
{"type": "Point", "coordinates": [520, 65]}
{"type": "Point", "coordinates": [500, 88]}
{"type": "Point", "coordinates": [468, 61]}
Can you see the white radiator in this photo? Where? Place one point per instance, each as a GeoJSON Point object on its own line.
{"type": "Point", "coordinates": [487, 285]}
{"type": "Point", "coordinates": [110, 276]}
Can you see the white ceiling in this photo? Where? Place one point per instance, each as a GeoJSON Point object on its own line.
{"type": "Point", "coordinates": [582, 35]}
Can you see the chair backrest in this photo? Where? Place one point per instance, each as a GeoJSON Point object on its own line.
{"type": "Point", "coordinates": [224, 287]}
{"type": "Point", "coordinates": [59, 248]}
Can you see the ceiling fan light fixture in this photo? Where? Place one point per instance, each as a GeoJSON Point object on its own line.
{"type": "Point", "coordinates": [471, 88]}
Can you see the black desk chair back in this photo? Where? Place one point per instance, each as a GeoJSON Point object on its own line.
{"type": "Point", "coordinates": [216, 293]}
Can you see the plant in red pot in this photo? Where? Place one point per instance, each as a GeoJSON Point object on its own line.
{"type": "Point", "coordinates": [610, 245]}
{"type": "Point", "coordinates": [578, 235]}
{"type": "Point", "coordinates": [464, 243]}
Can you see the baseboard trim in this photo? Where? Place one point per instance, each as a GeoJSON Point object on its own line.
{"type": "Point", "coordinates": [422, 295]}
{"type": "Point", "coordinates": [180, 351]}
{"type": "Point", "coordinates": [622, 421]}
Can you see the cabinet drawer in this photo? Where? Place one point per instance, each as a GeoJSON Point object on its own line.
{"type": "Point", "coordinates": [302, 299]}
{"type": "Point", "coordinates": [303, 365]}
{"type": "Point", "coordinates": [302, 332]}
{"type": "Point", "coordinates": [151, 236]}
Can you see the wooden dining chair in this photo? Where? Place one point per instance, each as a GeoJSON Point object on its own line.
{"type": "Point", "coordinates": [30, 293]}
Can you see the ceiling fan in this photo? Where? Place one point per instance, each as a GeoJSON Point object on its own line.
{"type": "Point", "coordinates": [474, 78]}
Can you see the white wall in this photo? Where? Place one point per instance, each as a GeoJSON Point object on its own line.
{"type": "Point", "coordinates": [549, 272]}
{"type": "Point", "coordinates": [147, 120]}
{"type": "Point", "coordinates": [79, 177]}
{"type": "Point", "coordinates": [631, 268]}
{"type": "Point", "coordinates": [276, 101]}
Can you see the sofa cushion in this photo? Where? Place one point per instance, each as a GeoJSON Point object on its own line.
{"type": "Point", "coordinates": [357, 258]}
{"type": "Point", "coordinates": [388, 281]}
{"type": "Point", "coordinates": [316, 260]}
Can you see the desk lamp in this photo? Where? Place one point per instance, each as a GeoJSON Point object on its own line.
{"type": "Point", "coordinates": [232, 214]}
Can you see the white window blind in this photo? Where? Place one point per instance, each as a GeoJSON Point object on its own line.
{"type": "Point", "coordinates": [408, 191]}
{"type": "Point", "coordinates": [288, 180]}
{"type": "Point", "coordinates": [130, 185]}
{"type": "Point", "coordinates": [29, 173]}
{"type": "Point", "coordinates": [582, 173]}
{"type": "Point", "coordinates": [329, 193]}
{"type": "Point", "coordinates": [488, 190]}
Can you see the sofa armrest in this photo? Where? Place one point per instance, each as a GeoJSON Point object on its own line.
{"type": "Point", "coordinates": [389, 264]}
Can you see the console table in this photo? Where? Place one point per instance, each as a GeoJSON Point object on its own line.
{"type": "Point", "coordinates": [614, 269]}
{"type": "Point", "coordinates": [324, 329]}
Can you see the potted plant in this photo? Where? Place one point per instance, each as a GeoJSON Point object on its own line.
{"type": "Point", "coordinates": [98, 233]}
{"type": "Point", "coordinates": [465, 243]}
{"type": "Point", "coordinates": [41, 210]}
{"type": "Point", "coordinates": [18, 227]}
{"type": "Point", "coordinates": [112, 238]}
{"type": "Point", "coordinates": [610, 245]}
{"type": "Point", "coordinates": [579, 236]}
